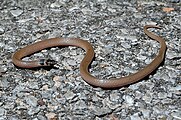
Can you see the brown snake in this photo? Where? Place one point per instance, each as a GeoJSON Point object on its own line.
{"type": "Point", "coordinates": [103, 83]}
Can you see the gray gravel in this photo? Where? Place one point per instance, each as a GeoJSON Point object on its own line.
{"type": "Point", "coordinates": [115, 29]}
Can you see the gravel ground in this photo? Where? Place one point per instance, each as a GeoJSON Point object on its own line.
{"type": "Point", "coordinates": [115, 29]}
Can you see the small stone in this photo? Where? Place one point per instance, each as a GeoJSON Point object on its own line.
{"type": "Point", "coordinates": [32, 101]}
{"type": "Point", "coordinates": [73, 53]}
{"type": "Point", "coordinates": [172, 55]}
{"type": "Point", "coordinates": [2, 111]}
{"type": "Point", "coordinates": [32, 111]}
{"type": "Point", "coordinates": [161, 117]}
{"type": "Point", "coordinates": [35, 119]}
{"type": "Point", "coordinates": [126, 45]}
{"type": "Point", "coordinates": [80, 105]}
{"type": "Point", "coordinates": [101, 111]}
{"type": "Point", "coordinates": [177, 88]}
{"type": "Point", "coordinates": [115, 97]}
{"type": "Point", "coordinates": [151, 23]}
{"type": "Point", "coordinates": [129, 70]}
{"type": "Point", "coordinates": [141, 57]}
{"type": "Point", "coordinates": [129, 100]}
{"type": "Point", "coordinates": [41, 102]}
{"type": "Point", "coordinates": [147, 98]}
{"type": "Point", "coordinates": [148, 61]}
{"type": "Point", "coordinates": [56, 4]}
{"type": "Point", "coordinates": [132, 38]}
{"type": "Point", "coordinates": [15, 117]}
{"type": "Point", "coordinates": [94, 98]}
{"type": "Point", "coordinates": [69, 95]}
{"type": "Point", "coordinates": [51, 116]}
{"type": "Point", "coordinates": [1, 30]}
{"type": "Point", "coordinates": [72, 62]}
{"type": "Point", "coordinates": [134, 86]}
{"type": "Point", "coordinates": [74, 8]}
{"type": "Point", "coordinates": [33, 85]}
{"type": "Point", "coordinates": [114, 73]}
{"type": "Point", "coordinates": [175, 1]}
{"type": "Point", "coordinates": [162, 95]}
{"type": "Point", "coordinates": [56, 79]}
{"type": "Point", "coordinates": [17, 12]}
{"type": "Point", "coordinates": [41, 117]}
{"type": "Point", "coordinates": [176, 114]}
{"type": "Point", "coordinates": [135, 117]}
{"type": "Point", "coordinates": [146, 113]}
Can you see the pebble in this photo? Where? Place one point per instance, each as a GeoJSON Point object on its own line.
{"type": "Point", "coordinates": [33, 85]}
{"type": "Point", "coordinates": [129, 70]}
{"type": "Point", "coordinates": [32, 101]}
{"type": "Point", "coordinates": [148, 61]}
{"type": "Point", "coordinates": [50, 116]}
{"type": "Point", "coordinates": [16, 12]}
{"type": "Point", "coordinates": [175, 1]}
{"type": "Point", "coordinates": [172, 55]}
{"type": "Point", "coordinates": [135, 116]}
{"type": "Point", "coordinates": [41, 117]}
{"type": "Point", "coordinates": [80, 105]}
{"type": "Point", "coordinates": [2, 118]}
{"type": "Point", "coordinates": [162, 95]}
{"type": "Point", "coordinates": [2, 111]}
{"type": "Point", "coordinates": [57, 4]}
{"type": "Point", "coordinates": [146, 113]}
{"type": "Point", "coordinates": [147, 98]}
{"type": "Point", "coordinates": [129, 100]}
{"type": "Point", "coordinates": [141, 57]}
{"type": "Point", "coordinates": [69, 95]}
{"type": "Point", "coordinates": [32, 111]}
{"type": "Point", "coordinates": [72, 62]}
{"type": "Point", "coordinates": [176, 89]}
{"type": "Point", "coordinates": [13, 118]}
{"type": "Point", "coordinates": [2, 30]}
{"type": "Point", "coordinates": [101, 111]}
{"type": "Point", "coordinates": [115, 96]}
{"type": "Point", "coordinates": [176, 114]}
{"type": "Point", "coordinates": [132, 38]}
{"type": "Point", "coordinates": [126, 45]}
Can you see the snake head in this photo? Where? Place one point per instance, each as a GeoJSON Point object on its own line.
{"type": "Point", "coordinates": [47, 62]}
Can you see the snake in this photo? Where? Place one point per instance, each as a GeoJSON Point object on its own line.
{"type": "Point", "coordinates": [17, 59]}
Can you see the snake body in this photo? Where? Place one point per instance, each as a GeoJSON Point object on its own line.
{"type": "Point", "coordinates": [103, 83]}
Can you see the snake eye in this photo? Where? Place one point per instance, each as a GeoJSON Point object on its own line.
{"type": "Point", "coordinates": [47, 62]}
